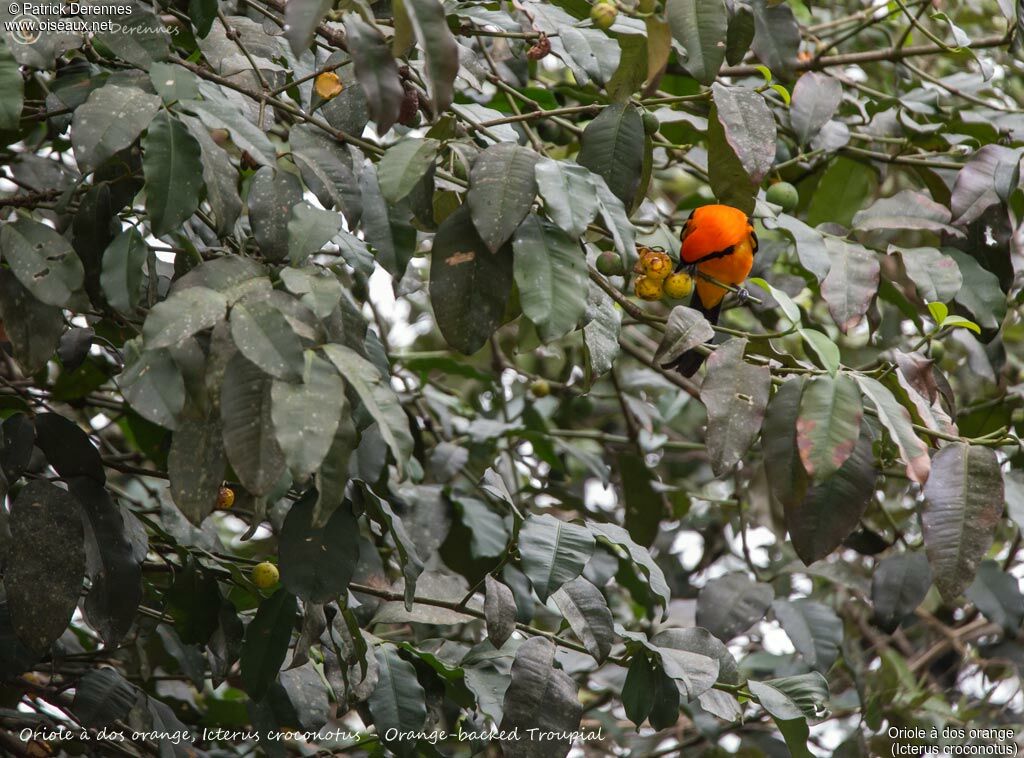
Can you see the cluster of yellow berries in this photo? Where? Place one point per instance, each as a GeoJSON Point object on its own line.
{"type": "Point", "coordinates": [655, 278]}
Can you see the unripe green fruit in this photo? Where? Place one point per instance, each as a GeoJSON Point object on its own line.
{"type": "Point", "coordinates": [540, 388]}
{"type": "Point", "coordinates": [610, 264]}
{"type": "Point", "coordinates": [651, 123]}
{"type": "Point", "coordinates": [603, 14]}
{"type": "Point", "coordinates": [783, 194]}
{"type": "Point", "coordinates": [937, 351]}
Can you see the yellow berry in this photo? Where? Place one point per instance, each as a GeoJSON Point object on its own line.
{"type": "Point", "coordinates": [265, 575]}
{"type": "Point", "coordinates": [679, 285]}
{"type": "Point", "coordinates": [328, 85]}
{"type": "Point", "coordinates": [540, 388]}
{"type": "Point", "coordinates": [647, 288]}
{"type": "Point", "coordinates": [656, 264]}
{"type": "Point", "coordinates": [603, 14]}
{"type": "Point", "coordinates": [225, 498]}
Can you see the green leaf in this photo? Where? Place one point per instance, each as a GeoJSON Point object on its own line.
{"type": "Point", "coordinates": [376, 71]}
{"type": "Point", "coordinates": [788, 483]}
{"type": "Point", "coordinates": [12, 90]}
{"type": "Point", "coordinates": [195, 466]}
{"type": "Point", "coordinates": [397, 703]}
{"type": "Point", "coordinates": [791, 701]}
{"type": "Point", "coordinates": [326, 170]}
{"type": "Point", "coordinates": [980, 294]}
{"type": "Point", "coordinates": [632, 68]}
{"type": "Point", "coordinates": [896, 420]}
{"type": "Point", "coordinates": [740, 34]}
{"type": "Point", "coordinates": [153, 385]}
{"type": "Point", "coordinates": [378, 399]}
{"type": "Point", "coordinates": [612, 146]}
{"type": "Point", "coordinates": [784, 301]}
{"type": "Point", "coordinates": [309, 229]}
{"type": "Point", "coordinates": [332, 477]}
{"type": "Point", "coordinates": [851, 283]}
{"type": "Point", "coordinates": [220, 176]}
{"type": "Point", "coordinates": [776, 36]}
{"type": "Point", "coordinates": [439, 51]}
{"type": "Point", "coordinates": [488, 536]}
{"type": "Point", "coordinates": [272, 194]}
{"type": "Point", "coordinates": [816, 98]}
{"type": "Point", "coordinates": [938, 311]}
{"type": "Point", "coordinates": [249, 438]}
{"type": "Point", "coordinates": [650, 571]}
{"type": "Point", "coordinates": [553, 552]}
{"type": "Point", "coordinates": [502, 188]}
{"type": "Point", "coordinates": [45, 563]}
{"type": "Point", "coordinates": [638, 691]}
{"type": "Point", "coordinates": [700, 26]}
{"type": "Point", "coordinates": [736, 394]}
{"type": "Point", "coordinates": [404, 165]}
{"type": "Point", "coordinates": [108, 122]}
{"type": "Point", "coordinates": [386, 229]}
{"type": "Point", "coordinates": [184, 313]}
{"type": "Point", "coordinates": [499, 611]}
{"type": "Point", "coordinates": [122, 274]}
{"type": "Point", "coordinates": [44, 262]}
{"type": "Point", "coordinates": [826, 350]}
{"type": "Point", "coordinates": [810, 245]}
{"type": "Point", "coordinates": [587, 612]}
{"type": "Point", "coordinates": [469, 285]}
{"type": "Point", "coordinates": [685, 329]}
{"type": "Point", "coordinates": [899, 584]}
{"type": "Point", "coordinates": [550, 272]}
{"type": "Point", "coordinates": [102, 697]}
{"type": "Point", "coordinates": [828, 425]}
{"type": "Point", "coordinates": [729, 180]}
{"type": "Point", "coordinates": [963, 505]}
{"type": "Point", "coordinates": [974, 190]}
{"type": "Point", "coordinates": [317, 563]}
{"type": "Point", "coordinates": [569, 197]}
{"type": "Point", "coordinates": [172, 162]}
{"type": "Point", "coordinates": [306, 415]}
{"type": "Point", "coordinates": [301, 18]}
{"type": "Point", "coordinates": [729, 605]}
{"type": "Point", "coordinates": [843, 190]}
{"type": "Point", "coordinates": [266, 642]}
{"type": "Point", "coordinates": [33, 328]}
{"type": "Point", "coordinates": [833, 508]}
{"type": "Point", "coordinates": [814, 629]}
{"type": "Point", "coordinates": [601, 333]}
{"type": "Point", "coordinates": [540, 697]}
{"type": "Point", "coordinates": [218, 114]}
{"type": "Point", "coordinates": [996, 594]}
{"type": "Point", "coordinates": [264, 336]}
{"type": "Point", "coordinates": [749, 128]}
{"type": "Point", "coordinates": [908, 210]}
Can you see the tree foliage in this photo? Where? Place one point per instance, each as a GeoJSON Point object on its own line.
{"type": "Point", "coordinates": [346, 288]}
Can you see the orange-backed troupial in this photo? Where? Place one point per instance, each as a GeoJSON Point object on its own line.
{"type": "Point", "coordinates": [718, 240]}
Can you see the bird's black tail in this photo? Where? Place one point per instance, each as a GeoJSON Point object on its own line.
{"type": "Point", "coordinates": [688, 363]}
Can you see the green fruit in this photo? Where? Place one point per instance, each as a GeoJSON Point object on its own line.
{"type": "Point", "coordinates": [783, 194]}
{"type": "Point", "coordinates": [265, 575]}
{"type": "Point", "coordinates": [603, 14]}
{"type": "Point", "coordinates": [610, 264]}
{"type": "Point", "coordinates": [937, 351]}
{"type": "Point", "coordinates": [651, 123]}
{"type": "Point", "coordinates": [540, 388]}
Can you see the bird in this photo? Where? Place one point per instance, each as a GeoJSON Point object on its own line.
{"type": "Point", "coordinates": [718, 241]}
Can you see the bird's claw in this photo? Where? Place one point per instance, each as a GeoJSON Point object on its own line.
{"type": "Point", "coordinates": [742, 295]}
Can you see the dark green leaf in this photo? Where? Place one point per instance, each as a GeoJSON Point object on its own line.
{"type": "Point", "coordinates": [499, 611]}
{"type": "Point", "coordinates": [740, 34]}
{"type": "Point", "coordinates": [502, 189]}
{"type": "Point", "coordinates": [102, 697]}
{"type": "Point", "coordinates": [272, 194]}
{"type": "Point", "coordinates": [403, 165]}
{"type": "Point", "coordinates": [439, 50]}
{"type": "Point", "coordinates": [264, 335]}
{"type": "Point", "coordinates": [376, 70]}
{"type": "Point", "coordinates": [615, 535]}
{"type": "Point", "coordinates": [153, 385]}
{"type": "Point", "coordinates": [908, 210]}
{"type": "Point", "coordinates": [729, 605]}
{"type": "Point", "coordinates": [397, 702]}
{"type": "Point", "coordinates": [701, 27]}
{"type": "Point", "coordinates": [898, 586]}
{"type": "Point", "coordinates": [550, 272]}
{"type": "Point", "coordinates": [301, 18]}
{"type": "Point", "coordinates": [306, 415]}
{"type": "Point", "coordinates": [814, 629]}
{"type": "Point", "coordinates": [44, 262]}
{"type": "Point", "coordinates": [249, 438]}
{"type": "Point", "coordinates": [109, 121]}
{"type": "Point", "coordinates": [181, 315]}
{"type": "Point", "coordinates": [123, 274]}
{"type": "Point", "coordinates": [195, 466]}
{"type": "Point", "coordinates": [587, 612]}
{"type": "Point", "coordinates": [612, 146]}
{"type": "Point", "coordinates": [851, 283]}
{"type": "Point", "coordinates": [309, 229]}
{"type": "Point", "coordinates": [896, 420]}
{"type": "Point", "coordinates": [266, 642]}
{"type": "Point", "coordinates": [686, 328]}
{"type": "Point", "coordinates": [33, 328]}
{"type": "Point", "coordinates": [539, 697]}
{"type": "Point", "coordinates": [173, 166]}
{"type": "Point", "coordinates": [569, 197]}
{"type": "Point", "coordinates": [469, 285]}
{"type": "Point", "coordinates": [45, 563]}
{"type": "Point", "coordinates": [963, 505]}
{"type": "Point", "coordinates": [997, 595]}
{"type": "Point", "coordinates": [736, 395]}
{"type": "Point", "coordinates": [776, 36]}
{"type": "Point", "coordinates": [749, 128]}
{"type": "Point", "coordinates": [638, 692]}
{"type": "Point", "coordinates": [553, 552]}
{"type": "Point", "coordinates": [317, 563]}
{"type": "Point", "coordinates": [12, 90]}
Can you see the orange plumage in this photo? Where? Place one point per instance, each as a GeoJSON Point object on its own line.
{"type": "Point", "coordinates": [718, 240]}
